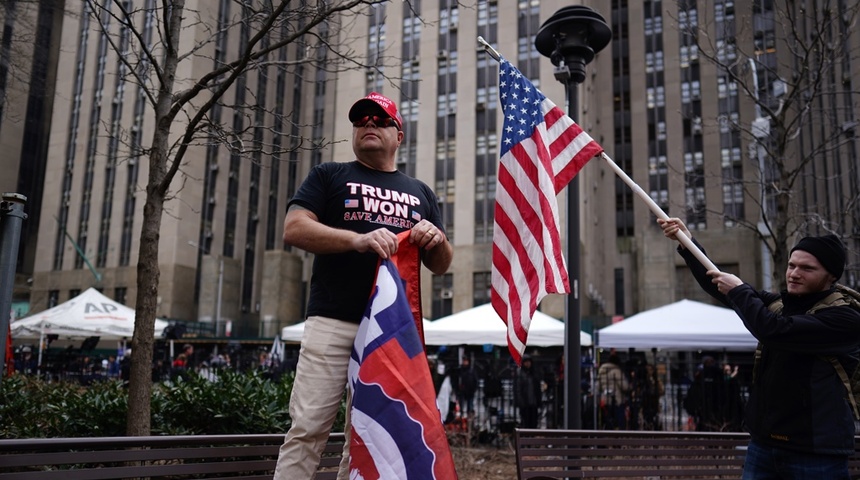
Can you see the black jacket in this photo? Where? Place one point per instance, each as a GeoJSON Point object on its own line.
{"type": "Point", "coordinates": [797, 401]}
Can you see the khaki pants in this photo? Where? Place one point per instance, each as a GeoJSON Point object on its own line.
{"type": "Point", "coordinates": [317, 391]}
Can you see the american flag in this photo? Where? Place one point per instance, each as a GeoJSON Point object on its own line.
{"type": "Point", "coordinates": [396, 430]}
{"type": "Point", "coordinates": [542, 149]}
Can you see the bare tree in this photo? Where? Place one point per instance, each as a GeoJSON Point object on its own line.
{"type": "Point", "coordinates": [792, 61]}
{"type": "Point", "coordinates": [182, 109]}
{"type": "Point", "coordinates": [19, 27]}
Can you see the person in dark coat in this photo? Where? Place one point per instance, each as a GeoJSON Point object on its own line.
{"type": "Point", "coordinates": [528, 394]}
{"type": "Point", "coordinates": [467, 385]}
{"type": "Point", "coordinates": [799, 416]}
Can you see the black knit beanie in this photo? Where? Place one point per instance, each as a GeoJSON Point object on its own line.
{"type": "Point", "coordinates": [828, 249]}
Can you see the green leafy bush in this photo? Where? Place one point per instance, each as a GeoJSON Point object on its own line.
{"type": "Point", "coordinates": [232, 403]}
{"type": "Point", "coordinates": [32, 408]}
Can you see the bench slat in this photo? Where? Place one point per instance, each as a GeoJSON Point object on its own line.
{"type": "Point", "coordinates": [106, 473]}
{"type": "Point", "coordinates": [632, 462]}
{"type": "Point", "coordinates": [628, 454]}
{"type": "Point", "coordinates": [188, 456]}
{"type": "Point", "coordinates": [120, 456]}
{"type": "Point", "coordinates": [665, 473]}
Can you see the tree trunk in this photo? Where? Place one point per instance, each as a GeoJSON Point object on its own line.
{"type": "Point", "coordinates": [140, 385]}
{"type": "Point", "coordinates": [781, 221]}
{"type": "Point", "coordinates": [158, 182]}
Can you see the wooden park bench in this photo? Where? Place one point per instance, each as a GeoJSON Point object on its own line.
{"type": "Point", "coordinates": [555, 454]}
{"type": "Point", "coordinates": [176, 457]}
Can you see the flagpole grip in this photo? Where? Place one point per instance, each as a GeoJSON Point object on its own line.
{"type": "Point", "coordinates": [684, 240]}
{"type": "Point", "coordinates": [489, 49]}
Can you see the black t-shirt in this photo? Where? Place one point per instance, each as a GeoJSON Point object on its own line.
{"type": "Point", "coordinates": [354, 197]}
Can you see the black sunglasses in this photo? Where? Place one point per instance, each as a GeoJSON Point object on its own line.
{"type": "Point", "coordinates": [382, 122]}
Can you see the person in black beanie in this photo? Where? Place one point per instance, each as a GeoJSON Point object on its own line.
{"type": "Point", "coordinates": [800, 415]}
{"type": "Point", "coordinates": [828, 250]}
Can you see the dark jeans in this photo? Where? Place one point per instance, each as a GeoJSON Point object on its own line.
{"type": "Point", "coordinates": [529, 416]}
{"type": "Point", "coordinates": [764, 462]}
{"type": "Point", "coordinates": [467, 403]}
{"type": "Point", "coordinates": [614, 417]}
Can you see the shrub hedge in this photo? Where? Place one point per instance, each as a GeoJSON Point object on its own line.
{"type": "Point", "coordinates": [234, 403]}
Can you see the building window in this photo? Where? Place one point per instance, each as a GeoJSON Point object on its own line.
{"type": "Point", "coordinates": [655, 97]}
{"type": "Point", "coordinates": [443, 295]}
{"type": "Point", "coordinates": [654, 61]}
{"type": "Point", "coordinates": [53, 298]}
{"type": "Point", "coordinates": [120, 294]}
{"type": "Point", "coordinates": [619, 291]}
{"type": "Point", "coordinates": [693, 161]}
{"type": "Point", "coordinates": [481, 284]}
{"type": "Point", "coordinates": [486, 160]}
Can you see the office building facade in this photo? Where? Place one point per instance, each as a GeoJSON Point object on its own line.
{"type": "Point", "coordinates": [663, 113]}
{"type": "Point", "coordinates": [29, 51]}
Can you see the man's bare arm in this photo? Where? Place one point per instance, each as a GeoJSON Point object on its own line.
{"type": "Point", "coordinates": [438, 250]}
{"type": "Point", "coordinates": [438, 258]}
{"type": "Point", "coordinates": [302, 229]}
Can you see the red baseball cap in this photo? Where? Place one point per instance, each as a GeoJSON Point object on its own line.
{"type": "Point", "coordinates": [387, 105]}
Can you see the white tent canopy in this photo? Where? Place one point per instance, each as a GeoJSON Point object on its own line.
{"type": "Point", "coordinates": [476, 326]}
{"type": "Point", "coordinates": [90, 314]}
{"type": "Point", "coordinates": [481, 325]}
{"type": "Point", "coordinates": [293, 333]}
{"type": "Point", "coordinates": [683, 325]}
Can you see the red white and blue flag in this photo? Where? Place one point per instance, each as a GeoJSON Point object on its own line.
{"type": "Point", "coordinates": [542, 149]}
{"type": "Point", "coordinates": [396, 430]}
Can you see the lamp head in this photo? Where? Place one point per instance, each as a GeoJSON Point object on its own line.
{"type": "Point", "coordinates": [571, 38]}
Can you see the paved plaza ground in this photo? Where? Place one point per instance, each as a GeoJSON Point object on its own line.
{"type": "Point", "coordinates": [485, 463]}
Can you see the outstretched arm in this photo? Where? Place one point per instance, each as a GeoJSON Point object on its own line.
{"type": "Point", "coordinates": [713, 282]}
{"type": "Point", "coordinates": [673, 227]}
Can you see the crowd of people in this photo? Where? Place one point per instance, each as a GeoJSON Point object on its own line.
{"type": "Point", "coordinates": [714, 401]}
{"type": "Point", "coordinates": [91, 365]}
{"type": "Point", "coordinates": [625, 395]}
{"type": "Point", "coordinates": [628, 393]}
{"type": "Point", "coordinates": [70, 364]}
{"type": "Point", "coordinates": [497, 395]}
{"type": "Point", "coordinates": [631, 395]}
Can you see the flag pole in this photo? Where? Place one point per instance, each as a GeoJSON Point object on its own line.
{"type": "Point", "coordinates": [684, 240]}
{"type": "Point", "coordinates": [489, 49]}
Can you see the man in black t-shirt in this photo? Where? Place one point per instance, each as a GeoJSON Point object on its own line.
{"type": "Point", "coordinates": [348, 215]}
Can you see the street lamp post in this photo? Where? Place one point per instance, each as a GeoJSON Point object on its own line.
{"type": "Point", "coordinates": [760, 129]}
{"type": "Point", "coordinates": [218, 331]}
{"type": "Point", "coordinates": [571, 38]}
{"type": "Point", "coordinates": [12, 216]}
